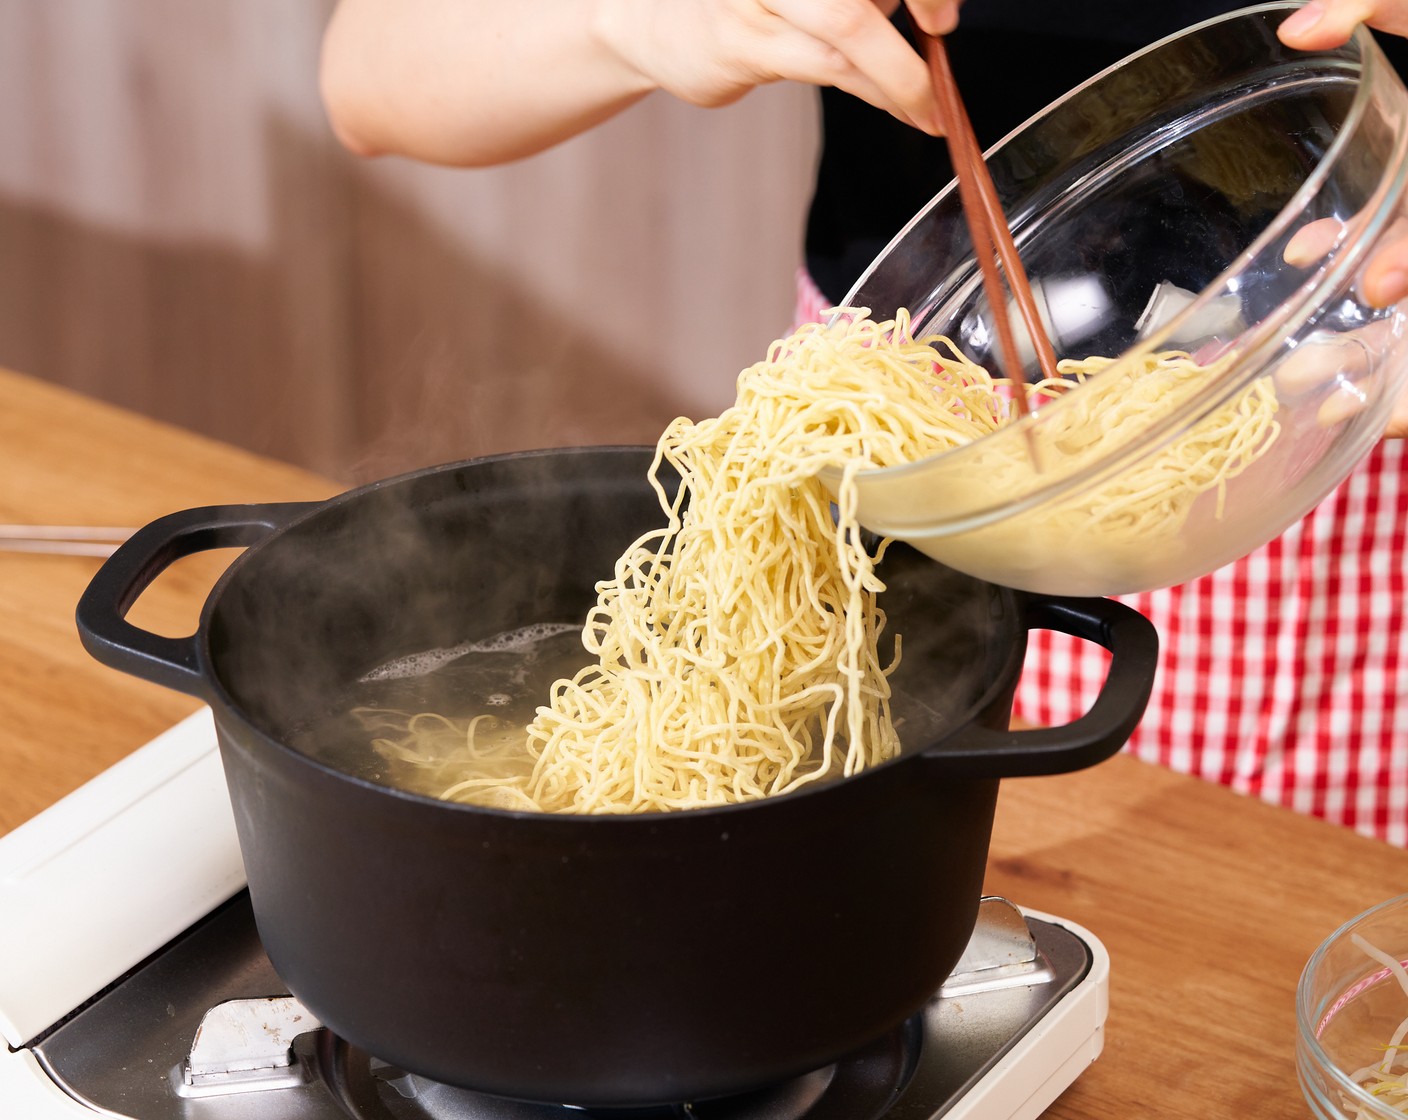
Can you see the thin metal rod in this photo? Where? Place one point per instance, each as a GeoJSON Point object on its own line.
{"type": "Point", "coordinates": [69, 540]}
{"type": "Point", "coordinates": [64, 532]}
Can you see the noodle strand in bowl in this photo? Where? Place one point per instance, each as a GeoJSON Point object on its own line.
{"type": "Point", "coordinates": [736, 649]}
{"type": "Point", "coordinates": [1157, 495]}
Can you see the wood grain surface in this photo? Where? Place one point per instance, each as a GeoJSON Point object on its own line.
{"type": "Point", "coordinates": [1209, 903]}
{"type": "Point", "coordinates": [69, 460]}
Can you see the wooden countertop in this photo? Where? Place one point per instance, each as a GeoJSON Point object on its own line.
{"type": "Point", "coordinates": [1209, 903]}
{"type": "Point", "coordinates": [69, 460]}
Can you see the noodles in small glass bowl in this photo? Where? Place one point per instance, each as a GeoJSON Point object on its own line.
{"type": "Point", "coordinates": [1195, 222]}
{"type": "Point", "coordinates": [1352, 1019]}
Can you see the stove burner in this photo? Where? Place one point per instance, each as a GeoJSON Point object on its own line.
{"type": "Point", "coordinates": [862, 1085]}
{"type": "Point", "coordinates": [165, 1043]}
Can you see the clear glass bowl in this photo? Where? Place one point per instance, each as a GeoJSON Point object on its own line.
{"type": "Point", "coordinates": [1348, 1008]}
{"type": "Point", "coordinates": [1153, 207]}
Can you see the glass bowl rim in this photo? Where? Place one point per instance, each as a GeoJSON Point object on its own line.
{"type": "Point", "coordinates": [1226, 384]}
{"type": "Point", "coordinates": [1306, 1015]}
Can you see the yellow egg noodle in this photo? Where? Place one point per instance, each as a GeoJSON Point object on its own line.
{"type": "Point", "coordinates": [1153, 496]}
{"type": "Point", "coordinates": [735, 650]}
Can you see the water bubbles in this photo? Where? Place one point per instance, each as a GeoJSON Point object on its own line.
{"type": "Point", "coordinates": [523, 641]}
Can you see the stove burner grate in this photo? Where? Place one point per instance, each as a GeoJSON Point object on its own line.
{"type": "Point", "coordinates": [860, 1086]}
{"type": "Point", "coordinates": [130, 1053]}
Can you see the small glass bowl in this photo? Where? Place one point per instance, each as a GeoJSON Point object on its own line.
{"type": "Point", "coordinates": [1153, 208]}
{"type": "Point", "coordinates": [1348, 1008]}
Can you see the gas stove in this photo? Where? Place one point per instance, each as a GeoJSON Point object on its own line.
{"type": "Point", "coordinates": [134, 985]}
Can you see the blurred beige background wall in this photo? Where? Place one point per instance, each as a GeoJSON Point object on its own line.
{"type": "Point", "coordinates": [180, 234]}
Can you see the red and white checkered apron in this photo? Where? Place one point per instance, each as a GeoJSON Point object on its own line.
{"type": "Point", "coordinates": [1283, 675]}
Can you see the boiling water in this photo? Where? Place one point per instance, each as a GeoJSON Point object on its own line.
{"type": "Point", "coordinates": [408, 722]}
{"type": "Point", "coordinates": [426, 702]}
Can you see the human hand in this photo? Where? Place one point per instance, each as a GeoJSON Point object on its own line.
{"type": "Point", "coordinates": [1320, 25]}
{"type": "Point", "coordinates": [1339, 368]}
{"type": "Point", "coordinates": [1345, 359]}
{"type": "Point", "coordinates": [471, 83]}
{"type": "Point", "coordinates": [735, 45]}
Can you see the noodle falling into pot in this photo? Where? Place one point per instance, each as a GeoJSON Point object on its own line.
{"type": "Point", "coordinates": [736, 650]}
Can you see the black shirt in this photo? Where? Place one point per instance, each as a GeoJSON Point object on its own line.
{"type": "Point", "coordinates": [861, 202]}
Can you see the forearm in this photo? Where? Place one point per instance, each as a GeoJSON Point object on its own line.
{"type": "Point", "coordinates": [473, 82]}
{"type": "Point", "coordinates": [469, 82]}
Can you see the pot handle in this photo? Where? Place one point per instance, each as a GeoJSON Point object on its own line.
{"type": "Point", "coordinates": [102, 609]}
{"type": "Point", "coordinates": [977, 751]}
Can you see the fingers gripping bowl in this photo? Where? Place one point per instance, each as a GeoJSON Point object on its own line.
{"type": "Point", "coordinates": [1217, 194]}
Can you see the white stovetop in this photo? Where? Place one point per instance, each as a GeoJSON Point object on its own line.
{"type": "Point", "coordinates": [88, 889]}
{"type": "Point", "coordinates": [94, 885]}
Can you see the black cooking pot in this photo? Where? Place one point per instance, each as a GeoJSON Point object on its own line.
{"type": "Point", "coordinates": [596, 960]}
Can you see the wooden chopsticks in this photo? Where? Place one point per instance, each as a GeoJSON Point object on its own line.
{"type": "Point", "coordinates": [988, 229]}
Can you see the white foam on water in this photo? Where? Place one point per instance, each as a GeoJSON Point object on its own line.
{"type": "Point", "coordinates": [521, 641]}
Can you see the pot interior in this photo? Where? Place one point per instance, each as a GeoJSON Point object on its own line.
{"type": "Point", "coordinates": [469, 552]}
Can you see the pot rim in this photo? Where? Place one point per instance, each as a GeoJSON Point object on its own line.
{"type": "Point", "coordinates": [227, 708]}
